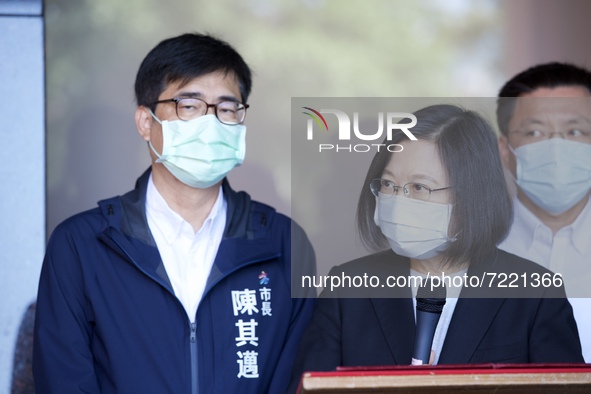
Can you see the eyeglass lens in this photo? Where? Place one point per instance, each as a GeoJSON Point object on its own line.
{"type": "Point", "coordinates": [230, 112]}
{"type": "Point", "coordinates": [387, 188]}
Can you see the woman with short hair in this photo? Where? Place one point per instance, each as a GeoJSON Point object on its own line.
{"type": "Point", "coordinates": [439, 208]}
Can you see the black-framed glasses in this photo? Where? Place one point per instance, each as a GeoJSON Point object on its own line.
{"type": "Point", "coordinates": [228, 112]}
{"type": "Point", "coordinates": [385, 189]}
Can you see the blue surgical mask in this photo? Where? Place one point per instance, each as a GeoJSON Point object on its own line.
{"type": "Point", "coordinates": [202, 151]}
{"type": "Point", "coordinates": [554, 173]}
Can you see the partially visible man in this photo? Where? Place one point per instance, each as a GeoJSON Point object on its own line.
{"type": "Point", "coordinates": [181, 285]}
{"type": "Point", "coordinates": [544, 114]}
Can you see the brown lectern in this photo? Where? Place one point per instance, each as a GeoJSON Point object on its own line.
{"type": "Point", "coordinates": [444, 379]}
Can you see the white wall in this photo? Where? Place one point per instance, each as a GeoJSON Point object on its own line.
{"type": "Point", "coordinates": [22, 168]}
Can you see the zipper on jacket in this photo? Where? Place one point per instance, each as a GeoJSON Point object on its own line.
{"type": "Point", "coordinates": [192, 326]}
{"type": "Point", "coordinates": [193, 345]}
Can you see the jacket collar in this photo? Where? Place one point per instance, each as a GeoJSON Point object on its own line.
{"type": "Point", "coordinates": [132, 219]}
{"type": "Point", "coordinates": [243, 241]}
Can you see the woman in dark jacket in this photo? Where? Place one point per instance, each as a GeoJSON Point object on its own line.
{"type": "Point", "coordinates": [438, 209]}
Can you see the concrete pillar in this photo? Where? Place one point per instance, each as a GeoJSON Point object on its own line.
{"type": "Point", "coordinates": [22, 168]}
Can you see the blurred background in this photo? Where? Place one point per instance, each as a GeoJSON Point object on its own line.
{"type": "Point", "coordinates": [295, 48]}
{"type": "Point", "coordinates": [82, 145]}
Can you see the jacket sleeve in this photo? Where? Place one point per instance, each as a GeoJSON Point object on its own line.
{"type": "Point", "coordinates": [302, 261]}
{"type": "Point", "coordinates": [554, 337]}
{"type": "Point", "coordinates": [62, 359]}
{"type": "Point", "coordinates": [320, 348]}
{"type": "Point", "coordinates": [282, 374]}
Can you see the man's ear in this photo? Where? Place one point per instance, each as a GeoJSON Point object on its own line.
{"type": "Point", "coordinates": [143, 122]}
{"type": "Point", "coordinates": [504, 151]}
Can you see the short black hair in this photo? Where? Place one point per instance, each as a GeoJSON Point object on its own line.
{"type": "Point", "coordinates": [548, 75]}
{"type": "Point", "coordinates": [482, 210]}
{"type": "Point", "coordinates": [184, 58]}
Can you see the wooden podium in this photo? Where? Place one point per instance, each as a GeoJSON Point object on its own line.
{"type": "Point", "coordinates": [444, 379]}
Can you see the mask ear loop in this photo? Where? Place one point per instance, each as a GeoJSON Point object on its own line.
{"type": "Point", "coordinates": [516, 156]}
{"type": "Point", "coordinates": [159, 157]}
{"type": "Point", "coordinates": [511, 149]}
{"type": "Point", "coordinates": [376, 213]}
{"type": "Point", "coordinates": [154, 116]}
{"type": "Point", "coordinates": [449, 213]}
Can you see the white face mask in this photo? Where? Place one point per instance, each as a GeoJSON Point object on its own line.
{"type": "Point", "coordinates": [555, 173]}
{"type": "Point", "coordinates": [414, 228]}
{"type": "Point", "coordinates": [202, 151]}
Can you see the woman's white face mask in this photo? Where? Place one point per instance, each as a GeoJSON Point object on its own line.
{"type": "Point", "coordinates": [415, 229]}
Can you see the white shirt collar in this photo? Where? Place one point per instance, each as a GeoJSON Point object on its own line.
{"type": "Point", "coordinates": [170, 223]}
{"type": "Point", "coordinates": [526, 223]}
{"type": "Point", "coordinates": [530, 227]}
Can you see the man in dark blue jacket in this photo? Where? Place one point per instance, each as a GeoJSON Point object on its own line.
{"type": "Point", "coordinates": [181, 285]}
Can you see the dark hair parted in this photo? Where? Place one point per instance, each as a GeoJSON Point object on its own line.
{"type": "Point", "coordinates": [184, 58]}
{"type": "Point", "coordinates": [548, 75]}
{"type": "Point", "coordinates": [482, 210]}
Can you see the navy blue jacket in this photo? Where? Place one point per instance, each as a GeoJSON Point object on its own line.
{"type": "Point", "coordinates": [492, 324]}
{"type": "Point", "coordinates": [108, 321]}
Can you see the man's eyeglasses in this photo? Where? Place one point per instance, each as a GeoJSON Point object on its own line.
{"type": "Point", "coordinates": [228, 112]}
{"type": "Point", "coordinates": [384, 188]}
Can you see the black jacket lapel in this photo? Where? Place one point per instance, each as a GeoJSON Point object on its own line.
{"type": "Point", "coordinates": [396, 319]}
{"type": "Point", "coordinates": [472, 317]}
{"type": "Point", "coordinates": [395, 313]}
{"type": "Point", "coordinates": [471, 320]}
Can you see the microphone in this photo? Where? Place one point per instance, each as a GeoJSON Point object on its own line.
{"type": "Point", "coordinates": [430, 302]}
